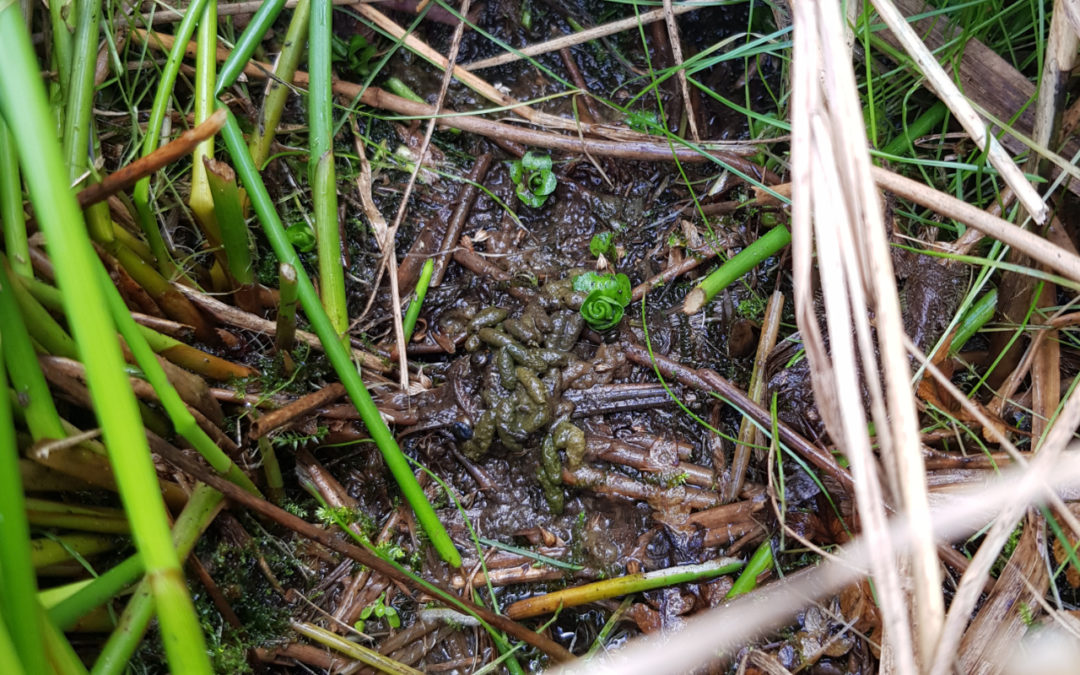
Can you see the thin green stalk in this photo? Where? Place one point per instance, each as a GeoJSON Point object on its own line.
{"type": "Point", "coordinates": [335, 350]}
{"type": "Point", "coordinates": [276, 92]}
{"type": "Point", "coordinates": [321, 175]}
{"type": "Point", "coordinates": [408, 324]}
{"type": "Point", "coordinates": [396, 86]}
{"type": "Point", "coordinates": [80, 94]}
{"type": "Point", "coordinates": [198, 513]}
{"type": "Point", "coordinates": [758, 563]}
{"type": "Point", "coordinates": [24, 106]}
{"type": "Point", "coordinates": [201, 200]}
{"type": "Point", "coordinates": [286, 318]}
{"type": "Point", "coordinates": [166, 82]}
{"type": "Point", "coordinates": [739, 264]}
{"type": "Point", "coordinates": [182, 419]}
{"type": "Point", "coordinates": [241, 52]}
{"type": "Point", "coordinates": [12, 218]}
{"type": "Point", "coordinates": [61, 15]}
{"type": "Point", "coordinates": [19, 598]}
{"type": "Point", "coordinates": [35, 399]}
{"type": "Point", "coordinates": [82, 597]}
{"type": "Point", "coordinates": [924, 124]}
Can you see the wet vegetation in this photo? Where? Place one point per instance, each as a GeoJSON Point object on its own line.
{"type": "Point", "coordinates": [498, 367]}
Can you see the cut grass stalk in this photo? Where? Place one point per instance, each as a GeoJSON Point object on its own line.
{"type": "Point", "coordinates": [277, 93]}
{"type": "Point", "coordinates": [413, 313]}
{"type": "Point", "coordinates": [396, 86]}
{"type": "Point", "coordinates": [741, 263]}
{"type": "Point", "coordinates": [286, 317]}
{"type": "Point", "coordinates": [23, 105]}
{"type": "Point", "coordinates": [229, 216]}
{"type": "Point", "coordinates": [758, 563]}
{"type": "Point", "coordinates": [624, 585]}
{"type": "Point", "coordinates": [17, 579]}
{"type": "Point", "coordinates": [147, 220]}
{"type": "Point", "coordinates": [12, 218]}
{"type": "Point", "coordinates": [335, 350]}
{"type": "Point", "coordinates": [321, 174]}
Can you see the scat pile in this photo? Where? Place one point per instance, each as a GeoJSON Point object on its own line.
{"type": "Point", "coordinates": [532, 362]}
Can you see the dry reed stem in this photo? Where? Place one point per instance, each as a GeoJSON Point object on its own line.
{"type": "Point", "coordinates": [1064, 262]}
{"type": "Point", "coordinates": [940, 82]}
{"type": "Point", "coordinates": [856, 273]}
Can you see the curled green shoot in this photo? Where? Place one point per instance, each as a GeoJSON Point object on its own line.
{"type": "Point", "coordinates": [608, 296]}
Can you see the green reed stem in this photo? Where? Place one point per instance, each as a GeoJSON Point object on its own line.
{"type": "Point", "coordinates": [275, 483]}
{"type": "Point", "coordinates": [23, 105]}
{"type": "Point", "coordinates": [335, 350]}
{"type": "Point", "coordinates": [321, 173]}
{"type": "Point", "coordinates": [35, 400]}
{"type": "Point", "coordinates": [46, 330]}
{"type": "Point", "coordinates": [61, 15]}
{"type": "Point", "coordinates": [408, 324]}
{"type": "Point", "coordinates": [739, 264]}
{"type": "Point", "coordinates": [276, 92]}
{"type": "Point", "coordinates": [17, 579]}
{"type": "Point", "coordinates": [201, 199]}
{"type": "Point", "coordinates": [758, 563]}
{"type": "Point", "coordinates": [12, 218]}
{"type": "Point", "coordinates": [241, 53]}
{"type": "Point", "coordinates": [981, 311]}
{"type": "Point", "coordinates": [80, 93]}
{"type": "Point", "coordinates": [166, 82]}
{"type": "Point", "coordinates": [229, 215]}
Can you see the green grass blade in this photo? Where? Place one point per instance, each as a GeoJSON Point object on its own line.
{"type": "Point", "coordinates": [335, 350]}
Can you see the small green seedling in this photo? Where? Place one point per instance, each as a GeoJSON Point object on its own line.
{"type": "Point", "coordinates": [608, 296]}
{"type": "Point", "coordinates": [380, 610]}
{"type": "Point", "coordinates": [353, 56]}
{"type": "Point", "coordinates": [602, 244]}
{"type": "Point", "coordinates": [533, 177]}
{"type": "Point", "coordinates": [302, 237]}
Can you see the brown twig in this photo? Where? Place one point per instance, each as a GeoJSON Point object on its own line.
{"type": "Point", "coordinates": [127, 176]}
{"type": "Point", "coordinates": [301, 406]}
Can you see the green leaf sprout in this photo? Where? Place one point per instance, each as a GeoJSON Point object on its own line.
{"type": "Point", "coordinates": [302, 237]}
{"type": "Point", "coordinates": [533, 177]}
{"type": "Point", "coordinates": [608, 296]}
{"type": "Point", "coordinates": [602, 244]}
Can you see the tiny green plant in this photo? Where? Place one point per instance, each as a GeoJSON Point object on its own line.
{"type": "Point", "coordinates": [533, 177]}
{"type": "Point", "coordinates": [602, 244]}
{"type": "Point", "coordinates": [352, 55]}
{"type": "Point", "coordinates": [380, 610]}
{"type": "Point", "coordinates": [608, 296]}
{"type": "Point", "coordinates": [302, 237]}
